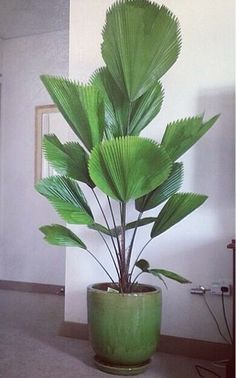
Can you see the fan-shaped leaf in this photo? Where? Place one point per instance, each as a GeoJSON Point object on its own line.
{"type": "Point", "coordinates": [141, 41]}
{"type": "Point", "coordinates": [168, 274]}
{"type": "Point", "coordinates": [122, 116]}
{"type": "Point", "coordinates": [128, 167]}
{"type": "Point", "coordinates": [145, 108]}
{"type": "Point", "coordinates": [67, 198]}
{"type": "Point", "coordinates": [179, 136]}
{"type": "Point", "coordinates": [100, 228]}
{"type": "Point", "coordinates": [129, 226]}
{"type": "Point", "coordinates": [177, 207]}
{"type": "Point", "coordinates": [140, 223]}
{"type": "Point", "coordinates": [143, 265]}
{"type": "Point", "coordinates": [116, 103]}
{"type": "Point", "coordinates": [170, 186]}
{"type": "Point", "coordinates": [57, 234]}
{"type": "Point", "coordinates": [81, 105]}
{"type": "Point", "coordinates": [68, 159]}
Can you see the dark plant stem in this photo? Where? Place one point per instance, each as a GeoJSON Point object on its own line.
{"type": "Point", "coordinates": [107, 224]}
{"type": "Point", "coordinates": [132, 241]}
{"type": "Point", "coordinates": [110, 252]}
{"type": "Point", "coordinates": [124, 271]}
{"type": "Point", "coordinates": [145, 245]}
{"type": "Point", "coordinates": [132, 284]}
{"type": "Point", "coordinates": [91, 254]}
{"type": "Point", "coordinates": [114, 223]}
{"type": "Point", "coordinates": [128, 120]}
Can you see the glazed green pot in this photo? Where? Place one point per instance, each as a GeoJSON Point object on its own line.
{"type": "Point", "coordinates": [124, 328]}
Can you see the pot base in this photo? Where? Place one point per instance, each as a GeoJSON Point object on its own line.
{"type": "Point", "coordinates": [120, 369]}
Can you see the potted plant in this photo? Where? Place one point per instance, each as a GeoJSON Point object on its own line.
{"type": "Point", "coordinates": [141, 41]}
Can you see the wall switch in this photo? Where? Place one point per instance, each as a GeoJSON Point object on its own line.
{"type": "Point", "coordinates": [220, 286]}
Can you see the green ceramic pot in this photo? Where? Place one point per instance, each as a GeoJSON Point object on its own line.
{"type": "Point", "coordinates": [124, 328]}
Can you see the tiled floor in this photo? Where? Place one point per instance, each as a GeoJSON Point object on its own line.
{"type": "Point", "coordinates": [31, 348]}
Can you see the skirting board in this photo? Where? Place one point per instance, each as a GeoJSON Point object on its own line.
{"type": "Point", "coordinates": [168, 344]}
{"type": "Point", "coordinates": [31, 287]}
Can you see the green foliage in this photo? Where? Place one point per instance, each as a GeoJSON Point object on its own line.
{"type": "Point", "coordinates": [177, 208]}
{"type": "Point", "coordinates": [145, 268]}
{"type": "Point", "coordinates": [140, 223]}
{"type": "Point", "coordinates": [100, 228]}
{"type": "Point", "coordinates": [57, 234]}
{"type": "Point", "coordinates": [81, 105]}
{"type": "Point", "coordinates": [141, 41]}
{"type": "Point", "coordinates": [143, 265]}
{"type": "Point", "coordinates": [67, 198]}
{"type": "Point", "coordinates": [169, 274]}
{"type": "Point", "coordinates": [183, 134]}
{"type": "Point", "coordinates": [67, 159]}
{"type": "Point", "coordinates": [117, 231]}
{"type": "Point", "coordinates": [118, 108]}
{"type": "Point", "coordinates": [170, 186]}
{"type": "Point", "coordinates": [123, 167]}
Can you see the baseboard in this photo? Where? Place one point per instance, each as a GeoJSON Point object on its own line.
{"type": "Point", "coordinates": [201, 349]}
{"type": "Point", "coordinates": [74, 330]}
{"type": "Point", "coordinates": [31, 287]}
{"type": "Point", "coordinates": [168, 344]}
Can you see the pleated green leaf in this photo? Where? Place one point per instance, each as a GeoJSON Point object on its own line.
{"type": "Point", "coordinates": [177, 207]}
{"type": "Point", "coordinates": [116, 103]}
{"type": "Point", "coordinates": [129, 226]}
{"type": "Point", "coordinates": [57, 234]}
{"type": "Point", "coordinates": [119, 109]}
{"type": "Point", "coordinates": [128, 167]}
{"type": "Point", "coordinates": [169, 274]}
{"type": "Point", "coordinates": [67, 159]}
{"type": "Point", "coordinates": [141, 41]}
{"type": "Point", "coordinates": [179, 136]}
{"type": "Point", "coordinates": [140, 223]}
{"type": "Point", "coordinates": [143, 265]}
{"type": "Point", "coordinates": [67, 198]}
{"type": "Point", "coordinates": [170, 186]}
{"type": "Point", "coordinates": [81, 105]}
{"type": "Point", "coordinates": [145, 108]}
{"type": "Point", "coordinates": [100, 228]}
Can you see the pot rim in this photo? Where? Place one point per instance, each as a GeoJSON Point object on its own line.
{"type": "Point", "coordinates": [155, 290]}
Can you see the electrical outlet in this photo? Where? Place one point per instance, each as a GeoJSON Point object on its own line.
{"type": "Point", "coordinates": [199, 290]}
{"type": "Point", "coordinates": [196, 290]}
{"type": "Point", "coordinates": [219, 286]}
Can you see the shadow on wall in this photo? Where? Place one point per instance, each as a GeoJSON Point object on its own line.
{"type": "Point", "coordinates": [215, 153]}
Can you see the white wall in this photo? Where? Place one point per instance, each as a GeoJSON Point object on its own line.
{"type": "Point", "coordinates": [202, 79]}
{"type": "Point", "coordinates": [24, 255]}
{"type": "Point", "coordinates": [1, 48]}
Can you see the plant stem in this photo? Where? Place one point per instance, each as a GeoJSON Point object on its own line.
{"type": "Point", "coordinates": [104, 216]}
{"type": "Point", "coordinates": [101, 265]}
{"type": "Point", "coordinates": [128, 120]}
{"type": "Point", "coordinates": [145, 245]}
{"type": "Point", "coordinates": [124, 271]}
{"type": "Point", "coordinates": [114, 223]}
{"type": "Point", "coordinates": [132, 284]}
{"type": "Point", "coordinates": [132, 240]}
{"type": "Point", "coordinates": [110, 252]}
{"type": "Point", "coordinates": [107, 224]}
